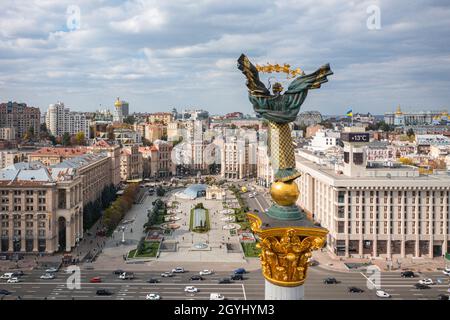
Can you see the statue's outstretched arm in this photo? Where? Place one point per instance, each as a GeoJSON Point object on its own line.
{"type": "Point", "coordinates": [255, 86]}
{"type": "Point", "coordinates": [310, 81]}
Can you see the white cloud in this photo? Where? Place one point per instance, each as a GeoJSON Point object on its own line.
{"type": "Point", "coordinates": [177, 53]}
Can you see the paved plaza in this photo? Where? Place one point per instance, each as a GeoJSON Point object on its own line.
{"type": "Point", "coordinates": [216, 239]}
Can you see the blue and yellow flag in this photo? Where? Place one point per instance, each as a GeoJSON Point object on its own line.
{"type": "Point", "coordinates": [350, 113]}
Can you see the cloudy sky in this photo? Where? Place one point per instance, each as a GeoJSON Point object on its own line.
{"type": "Point", "coordinates": [163, 54]}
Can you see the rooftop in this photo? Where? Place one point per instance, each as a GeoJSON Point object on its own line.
{"type": "Point", "coordinates": [63, 152]}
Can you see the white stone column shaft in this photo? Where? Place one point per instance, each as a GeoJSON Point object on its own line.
{"type": "Point", "coordinates": [274, 292]}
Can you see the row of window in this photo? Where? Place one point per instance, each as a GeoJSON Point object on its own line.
{"type": "Point", "coordinates": [19, 192]}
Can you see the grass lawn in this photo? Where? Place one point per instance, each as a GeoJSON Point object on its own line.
{"type": "Point", "coordinates": [250, 249]}
{"type": "Point", "coordinates": [150, 250]}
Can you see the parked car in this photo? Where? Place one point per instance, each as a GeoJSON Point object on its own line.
{"type": "Point", "coordinates": [330, 281]}
{"type": "Point", "coordinates": [152, 280]}
{"type": "Point", "coordinates": [446, 271]}
{"type": "Point", "coordinates": [196, 278]}
{"type": "Point", "coordinates": [118, 272]}
{"type": "Point", "coordinates": [153, 296]}
{"type": "Point", "coordinates": [178, 270]}
{"type": "Point", "coordinates": [443, 297]}
{"type": "Point", "coordinates": [426, 281]}
{"type": "Point", "coordinates": [421, 286]}
{"type": "Point", "coordinates": [191, 289]}
{"type": "Point", "coordinates": [48, 276]}
{"type": "Point", "coordinates": [13, 280]}
{"type": "Point", "coordinates": [216, 296]}
{"type": "Point", "coordinates": [205, 272]}
{"type": "Point", "coordinates": [7, 275]}
{"type": "Point", "coordinates": [225, 281]}
{"type": "Point", "coordinates": [355, 290]}
{"type": "Point", "coordinates": [382, 294]}
{"type": "Point", "coordinates": [240, 271]}
{"type": "Point", "coordinates": [103, 292]}
{"type": "Point", "coordinates": [51, 270]}
{"type": "Point", "coordinates": [127, 276]}
{"type": "Point", "coordinates": [407, 274]}
{"type": "Point", "coordinates": [167, 274]}
{"type": "Point", "coordinates": [95, 280]}
{"type": "Point", "coordinates": [4, 292]}
{"type": "Point", "coordinates": [237, 277]}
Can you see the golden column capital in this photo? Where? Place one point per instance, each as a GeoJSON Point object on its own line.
{"type": "Point", "coordinates": [285, 251]}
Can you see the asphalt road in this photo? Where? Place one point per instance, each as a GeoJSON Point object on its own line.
{"type": "Point", "coordinates": [259, 202]}
{"type": "Point", "coordinates": [252, 287]}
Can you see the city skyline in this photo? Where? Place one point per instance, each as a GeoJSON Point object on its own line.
{"type": "Point", "coordinates": [158, 56]}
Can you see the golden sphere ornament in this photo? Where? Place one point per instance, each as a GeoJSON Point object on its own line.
{"type": "Point", "coordinates": [284, 193]}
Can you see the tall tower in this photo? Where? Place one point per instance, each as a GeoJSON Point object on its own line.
{"type": "Point", "coordinates": [355, 139]}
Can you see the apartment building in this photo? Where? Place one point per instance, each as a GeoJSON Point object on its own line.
{"type": "Point", "coordinates": [60, 120]}
{"type": "Point", "coordinates": [131, 166]}
{"type": "Point", "coordinates": [20, 117]}
{"type": "Point", "coordinates": [8, 133]}
{"type": "Point", "coordinates": [238, 159]}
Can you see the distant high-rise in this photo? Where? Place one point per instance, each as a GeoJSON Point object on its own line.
{"type": "Point", "coordinates": [19, 116]}
{"type": "Point", "coordinates": [121, 110]}
{"type": "Point", "coordinates": [60, 120]}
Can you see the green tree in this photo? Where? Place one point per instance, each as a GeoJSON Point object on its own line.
{"type": "Point", "coordinates": [66, 139]}
{"type": "Point", "coordinates": [80, 139]}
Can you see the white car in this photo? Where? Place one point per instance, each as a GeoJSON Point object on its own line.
{"type": "Point", "coordinates": [126, 276]}
{"type": "Point", "coordinates": [51, 270]}
{"type": "Point", "coordinates": [446, 271]}
{"type": "Point", "coordinates": [178, 270]}
{"type": "Point", "coordinates": [190, 289]}
{"type": "Point", "coordinates": [426, 281]}
{"type": "Point", "coordinates": [383, 294]}
{"type": "Point", "coordinates": [216, 296]}
{"type": "Point", "coordinates": [205, 272]}
{"type": "Point", "coordinates": [153, 296]}
{"type": "Point", "coordinates": [13, 280]}
{"type": "Point", "coordinates": [167, 274]}
{"type": "Point", "coordinates": [6, 276]}
{"type": "Point", "coordinates": [48, 276]}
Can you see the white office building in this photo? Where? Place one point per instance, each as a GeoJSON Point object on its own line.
{"type": "Point", "coordinates": [374, 210]}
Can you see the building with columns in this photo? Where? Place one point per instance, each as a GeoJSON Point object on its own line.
{"type": "Point", "coordinates": [41, 209]}
{"type": "Point", "coordinates": [375, 211]}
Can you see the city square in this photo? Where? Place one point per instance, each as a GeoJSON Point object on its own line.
{"type": "Point", "coordinates": [259, 150]}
